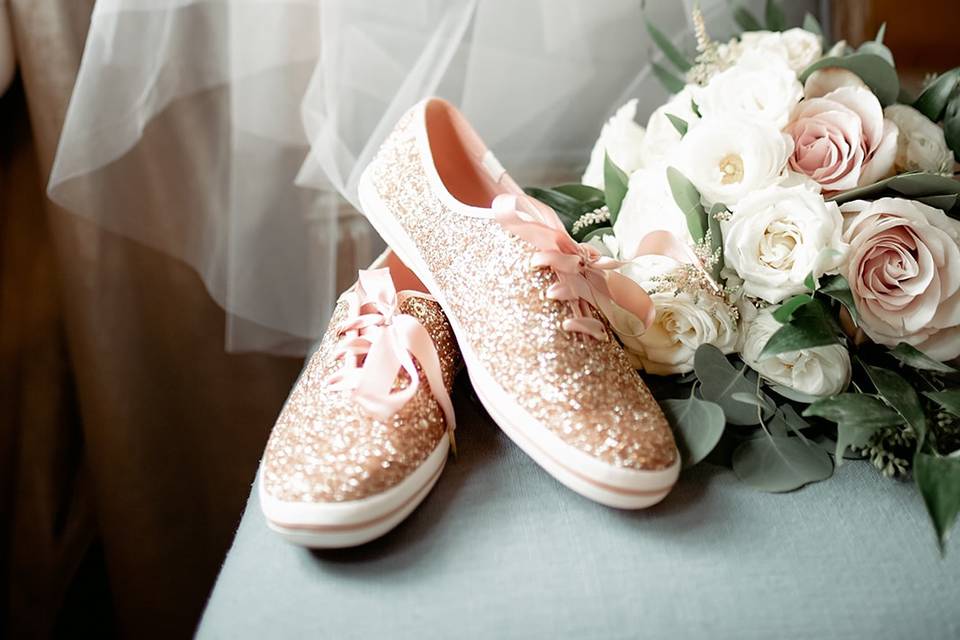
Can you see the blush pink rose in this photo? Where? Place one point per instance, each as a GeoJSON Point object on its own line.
{"type": "Point", "coordinates": [904, 272]}
{"type": "Point", "coordinates": [842, 139]}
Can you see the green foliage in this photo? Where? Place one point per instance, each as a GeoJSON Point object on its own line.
{"type": "Point", "coordinates": [934, 98]}
{"type": "Point", "coordinates": [913, 357]}
{"type": "Point", "coordinates": [811, 24]}
{"type": "Point", "coordinates": [949, 400]}
{"type": "Point", "coordinates": [727, 386]}
{"type": "Point", "coordinates": [858, 416]}
{"type": "Point", "coordinates": [938, 479]}
{"type": "Point", "coordinates": [810, 325]}
{"type": "Point", "coordinates": [773, 15]}
{"type": "Point", "coordinates": [688, 199]}
{"type": "Point", "coordinates": [678, 123]}
{"type": "Point", "coordinates": [746, 20]}
{"type": "Point", "coordinates": [780, 463]}
{"type": "Point", "coordinates": [873, 69]}
{"type": "Point", "coordinates": [838, 289]}
{"type": "Point", "coordinates": [674, 55]}
{"type": "Point", "coordinates": [615, 183]}
{"type": "Point", "coordinates": [697, 424]}
{"type": "Point", "coordinates": [670, 81]}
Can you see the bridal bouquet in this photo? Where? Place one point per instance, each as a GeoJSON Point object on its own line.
{"type": "Point", "coordinates": [794, 215]}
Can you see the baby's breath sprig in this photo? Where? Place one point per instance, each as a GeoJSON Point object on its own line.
{"type": "Point", "coordinates": [598, 215]}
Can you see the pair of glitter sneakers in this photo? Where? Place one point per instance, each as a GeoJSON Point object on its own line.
{"type": "Point", "coordinates": [477, 273]}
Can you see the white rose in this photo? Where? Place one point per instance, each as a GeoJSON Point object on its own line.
{"type": "Point", "coordinates": [797, 47]}
{"type": "Point", "coordinates": [819, 371]}
{"type": "Point", "coordinates": [648, 206]}
{"type": "Point", "coordinates": [662, 138]}
{"type": "Point", "coordinates": [728, 158]}
{"type": "Point", "coordinates": [684, 321]}
{"type": "Point", "coordinates": [621, 139]}
{"type": "Point", "coordinates": [778, 235]}
{"type": "Point", "coordinates": [762, 87]}
{"type": "Point", "coordinates": [921, 145]}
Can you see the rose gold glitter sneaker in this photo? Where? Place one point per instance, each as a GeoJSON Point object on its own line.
{"type": "Point", "coordinates": [365, 432]}
{"type": "Point", "coordinates": [523, 298]}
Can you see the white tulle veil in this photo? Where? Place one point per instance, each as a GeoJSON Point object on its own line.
{"type": "Point", "coordinates": [231, 133]}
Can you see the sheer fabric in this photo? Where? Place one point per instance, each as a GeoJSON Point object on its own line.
{"type": "Point", "coordinates": [248, 123]}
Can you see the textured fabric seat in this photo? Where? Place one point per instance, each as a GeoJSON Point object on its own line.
{"type": "Point", "coordinates": [501, 550]}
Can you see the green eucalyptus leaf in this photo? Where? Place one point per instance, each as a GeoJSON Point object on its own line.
{"type": "Point", "coordinates": [672, 54]}
{"type": "Point", "coordinates": [938, 479]}
{"type": "Point", "coordinates": [877, 49]}
{"type": "Point", "coordinates": [793, 419]}
{"type": "Point", "coordinates": [902, 397]}
{"type": "Point", "coordinates": [951, 124]}
{"type": "Point", "coordinates": [688, 199]}
{"type": "Point", "coordinates": [881, 32]}
{"type": "Point", "coordinates": [581, 192]}
{"type": "Point", "coordinates": [949, 400]}
{"type": "Point", "coordinates": [839, 289]}
{"type": "Point", "coordinates": [678, 123]}
{"type": "Point", "coordinates": [720, 380]}
{"type": "Point", "coordinates": [773, 15]}
{"type": "Point", "coordinates": [912, 185]}
{"type": "Point", "coordinates": [698, 425]}
{"type": "Point", "coordinates": [830, 446]}
{"type": "Point", "coordinates": [746, 20]}
{"type": "Point", "coordinates": [778, 464]}
{"type": "Point", "coordinates": [945, 203]}
{"type": "Point", "coordinates": [934, 98]}
{"type": "Point", "coordinates": [858, 416]}
{"type": "Point", "coordinates": [810, 326]}
{"type": "Point", "coordinates": [913, 357]}
{"type": "Point", "coordinates": [596, 233]}
{"type": "Point", "coordinates": [668, 79]}
{"type": "Point", "coordinates": [810, 282]}
{"type": "Point", "coordinates": [876, 72]}
{"type": "Point", "coordinates": [793, 394]}
{"type": "Point", "coordinates": [614, 186]}
{"type": "Point", "coordinates": [811, 24]}
{"type": "Point", "coordinates": [785, 311]}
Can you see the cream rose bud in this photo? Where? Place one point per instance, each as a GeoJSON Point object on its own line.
{"type": "Point", "coordinates": [819, 371]}
{"type": "Point", "coordinates": [662, 138]}
{"type": "Point", "coordinates": [684, 321]}
{"type": "Point", "coordinates": [921, 145]}
{"type": "Point", "coordinates": [648, 206]}
{"type": "Point", "coordinates": [823, 81]}
{"type": "Point", "coordinates": [797, 47]}
{"type": "Point", "coordinates": [620, 138]}
{"type": "Point", "coordinates": [776, 236]}
{"type": "Point", "coordinates": [842, 140]}
{"type": "Point", "coordinates": [904, 272]}
{"type": "Point", "coordinates": [728, 157]}
{"type": "Point", "coordinates": [757, 86]}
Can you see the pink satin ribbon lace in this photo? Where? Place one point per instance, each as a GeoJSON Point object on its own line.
{"type": "Point", "coordinates": [377, 342]}
{"type": "Point", "coordinates": [585, 277]}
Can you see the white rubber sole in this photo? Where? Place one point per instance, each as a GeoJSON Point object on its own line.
{"type": "Point", "coordinates": [604, 483]}
{"type": "Point", "coordinates": [334, 525]}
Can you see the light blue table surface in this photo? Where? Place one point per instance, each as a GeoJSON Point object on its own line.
{"type": "Point", "coordinates": [501, 550]}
